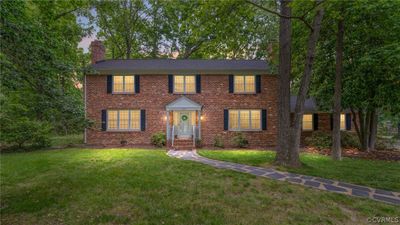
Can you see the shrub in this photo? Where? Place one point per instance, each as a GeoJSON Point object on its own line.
{"type": "Point", "coordinates": [159, 139]}
{"type": "Point", "coordinates": [349, 140]}
{"type": "Point", "coordinates": [218, 142]}
{"type": "Point", "coordinates": [199, 143]}
{"type": "Point", "coordinates": [319, 139]}
{"type": "Point", "coordinates": [239, 140]}
{"type": "Point", "coordinates": [25, 131]}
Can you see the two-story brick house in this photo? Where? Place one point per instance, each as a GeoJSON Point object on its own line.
{"type": "Point", "coordinates": [189, 100]}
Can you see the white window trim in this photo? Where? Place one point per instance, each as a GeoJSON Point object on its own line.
{"type": "Point", "coordinates": [123, 85]}
{"type": "Point", "coordinates": [312, 123]}
{"type": "Point", "coordinates": [184, 84]}
{"type": "Point", "coordinates": [244, 83]}
{"type": "Point", "coordinates": [249, 129]}
{"type": "Point", "coordinates": [129, 120]}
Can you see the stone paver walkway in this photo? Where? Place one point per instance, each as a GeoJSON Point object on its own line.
{"type": "Point", "coordinates": [310, 181]}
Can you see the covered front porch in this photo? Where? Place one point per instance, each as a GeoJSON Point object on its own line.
{"type": "Point", "coordinates": [183, 122]}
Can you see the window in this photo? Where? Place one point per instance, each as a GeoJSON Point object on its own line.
{"type": "Point", "coordinates": [244, 120]}
{"type": "Point", "coordinates": [307, 122]}
{"type": "Point", "coordinates": [343, 121]}
{"type": "Point", "coordinates": [244, 84]}
{"type": "Point", "coordinates": [184, 84]}
{"type": "Point", "coordinates": [123, 120]}
{"type": "Point", "coordinates": [123, 84]}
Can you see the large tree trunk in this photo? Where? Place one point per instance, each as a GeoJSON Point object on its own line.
{"type": "Point", "coordinates": [295, 131]}
{"type": "Point", "coordinates": [337, 108]}
{"type": "Point", "coordinates": [374, 130]}
{"type": "Point", "coordinates": [285, 35]}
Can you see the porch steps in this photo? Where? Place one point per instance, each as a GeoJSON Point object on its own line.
{"type": "Point", "coordinates": [183, 144]}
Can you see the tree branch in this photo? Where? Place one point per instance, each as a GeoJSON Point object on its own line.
{"type": "Point", "coordinates": [65, 13]}
{"type": "Point", "coordinates": [301, 18]}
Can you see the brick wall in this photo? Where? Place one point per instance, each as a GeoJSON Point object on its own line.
{"type": "Point", "coordinates": [154, 96]}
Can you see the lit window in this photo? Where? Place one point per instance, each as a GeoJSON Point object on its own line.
{"type": "Point", "coordinates": [244, 84]}
{"type": "Point", "coordinates": [244, 120]}
{"type": "Point", "coordinates": [307, 122]}
{"type": "Point", "coordinates": [184, 84]}
{"type": "Point", "coordinates": [342, 121]}
{"type": "Point", "coordinates": [123, 84]}
{"type": "Point", "coordinates": [123, 119]}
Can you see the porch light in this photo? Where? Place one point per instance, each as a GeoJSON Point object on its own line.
{"type": "Point", "coordinates": [201, 117]}
{"type": "Point", "coordinates": [165, 118]}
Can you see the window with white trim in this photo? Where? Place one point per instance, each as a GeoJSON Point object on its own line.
{"type": "Point", "coordinates": [184, 84]}
{"type": "Point", "coordinates": [307, 122]}
{"type": "Point", "coordinates": [244, 120]}
{"type": "Point", "coordinates": [244, 84]}
{"type": "Point", "coordinates": [123, 119]}
{"type": "Point", "coordinates": [123, 84]}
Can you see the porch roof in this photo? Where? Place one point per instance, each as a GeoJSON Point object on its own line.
{"type": "Point", "coordinates": [183, 103]}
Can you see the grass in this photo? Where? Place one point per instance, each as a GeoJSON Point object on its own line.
{"type": "Point", "coordinates": [120, 186]}
{"type": "Point", "coordinates": [373, 173]}
{"type": "Point", "coordinates": [66, 140]}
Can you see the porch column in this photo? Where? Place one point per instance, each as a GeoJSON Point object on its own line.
{"type": "Point", "coordinates": [199, 125]}
{"type": "Point", "coordinates": [168, 128]}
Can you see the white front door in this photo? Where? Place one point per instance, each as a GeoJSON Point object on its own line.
{"type": "Point", "coordinates": [184, 125]}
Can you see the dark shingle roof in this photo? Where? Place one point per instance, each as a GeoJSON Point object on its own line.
{"type": "Point", "coordinates": [181, 66]}
{"type": "Point", "coordinates": [310, 105]}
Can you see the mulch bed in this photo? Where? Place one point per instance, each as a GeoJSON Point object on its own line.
{"type": "Point", "coordinates": [388, 155]}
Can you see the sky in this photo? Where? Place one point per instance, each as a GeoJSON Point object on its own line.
{"type": "Point", "coordinates": [85, 42]}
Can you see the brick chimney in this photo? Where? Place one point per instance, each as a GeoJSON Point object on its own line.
{"type": "Point", "coordinates": [98, 51]}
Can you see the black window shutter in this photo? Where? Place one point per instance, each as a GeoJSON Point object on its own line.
{"type": "Point", "coordinates": [331, 121]}
{"type": "Point", "coordinates": [258, 83]}
{"type": "Point", "coordinates": [170, 83]}
{"type": "Point", "coordinates": [109, 83]}
{"type": "Point", "coordinates": [198, 83]}
{"type": "Point", "coordinates": [103, 120]}
{"type": "Point", "coordinates": [230, 83]}
{"type": "Point", "coordinates": [315, 121]}
{"type": "Point", "coordinates": [264, 119]}
{"type": "Point", "coordinates": [226, 119]}
{"type": "Point", "coordinates": [142, 120]}
{"type": "Point", "coordinates": [137, 84]}
{"type": "Point", "coordinates": [348, 121]}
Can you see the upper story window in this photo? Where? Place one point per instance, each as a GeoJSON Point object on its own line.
{"type": "Point", "coordinates": [343, 121]}
{"type": "Point", "coordinates": [244, 84]}
{"type": "Point", "coordinates": [244, 120]}
{"type": "Point", "coordinates": [184, 84]}
{"type": "Point", "coordinates": [123, 84]}
{"type": "Point", "coordinates": [123, 119]}
{"type": "Point", "coordinates": [307, 122]}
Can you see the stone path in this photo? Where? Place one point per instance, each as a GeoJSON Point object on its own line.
{"type": "Point", "coordinates": [310, 181]}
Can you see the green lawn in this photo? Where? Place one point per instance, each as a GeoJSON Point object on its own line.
{"type": "Point", "coordinates": [378, 174]}
{"type": "Point", "coordinates": [120, 186]}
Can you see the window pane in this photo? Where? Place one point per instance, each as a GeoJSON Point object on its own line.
{"type": "Point", "coordinates": [112, 119]}
{"type": "Point", "coordinates": [244, 119]}
{"type": "Point", "coordinates": [178, 83]}
{"type": "Point", "coordinates": [239, 84]}
{"type": "Point", "coordinates": [118, 83]}
{"type": "Point", "coordinates": [233, 119]}
{"type": "Point", "coordinates": [135, 119]}
{"type": "Point", "coordinates": [255, 119]}
{"type": "Point", "coordinates": [250, 84]}
{"type": "Point", "coordinates": [123, 119]}
{"type": "Point", "coordinates": [176, 118]}
{"type": "Point", "coordinates": [129, 83]}
{"type": "Point", "coordinates": [190, 84]}
{"type": "Point", "coordinates": [342, 121]}
{"type": "Point", "coordinates": [193, 117]}
{"type": "Point", "coordinates": [307, 122]}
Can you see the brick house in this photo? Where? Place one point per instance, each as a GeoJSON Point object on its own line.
{"type": "Point", "coordinates": [188, 100]}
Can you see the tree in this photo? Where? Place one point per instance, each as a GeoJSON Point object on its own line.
{"type": "Point", "coordinates": [288, 149]}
